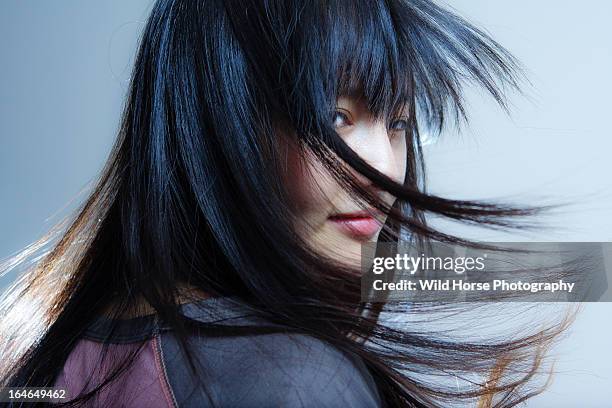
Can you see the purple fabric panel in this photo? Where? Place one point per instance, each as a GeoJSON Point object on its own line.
{"type": "Point", "coordinates": [142, 385]}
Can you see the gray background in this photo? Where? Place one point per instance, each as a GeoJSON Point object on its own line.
{"type": "Point", "coordinates": [65, 67]}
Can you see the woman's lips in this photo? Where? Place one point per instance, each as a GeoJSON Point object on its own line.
{"type": "Point", "coordinates": [359, 225]}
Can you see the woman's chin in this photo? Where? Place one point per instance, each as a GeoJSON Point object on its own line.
{"type": "Point", "coordinates": [342, 247]}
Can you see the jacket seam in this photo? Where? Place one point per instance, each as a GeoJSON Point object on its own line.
{"type": "Point", "coordinates": [163, 374]}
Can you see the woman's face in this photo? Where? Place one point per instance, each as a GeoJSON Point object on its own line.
{"type": "Point", "coordinates": [329, 219]}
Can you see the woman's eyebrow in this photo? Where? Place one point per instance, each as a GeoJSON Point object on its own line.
{"type": "Point", "coordinates": [353, 92]}
{"type": "Point", "coordinates": [404, 108]}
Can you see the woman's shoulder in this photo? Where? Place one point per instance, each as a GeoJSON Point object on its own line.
{"type": "Point", "coordinates": [287, 370]}
{"type": "Point", "coordinates": [270, 369]}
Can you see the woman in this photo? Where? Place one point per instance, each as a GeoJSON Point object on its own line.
{"type": "Point", "coordinates": [216, 261]}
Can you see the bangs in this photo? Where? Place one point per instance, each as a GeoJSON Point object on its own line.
{"type": "Point", "coordinates": [297, 58]}
{"type": "Point", "coordinates": [366, 58]}
{"type": "Point", "coordinates": [412, 52]}
{"type": "Point", "coordinates": [304, 55]}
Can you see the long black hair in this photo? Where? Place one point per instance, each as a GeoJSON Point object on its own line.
{"type": "Point", "coordinates": [192, 182]}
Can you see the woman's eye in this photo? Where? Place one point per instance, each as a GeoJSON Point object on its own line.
{"type": "Point", "coordinates": [399, 124]}
{"type": "Point", "coordinates": [340, 119]}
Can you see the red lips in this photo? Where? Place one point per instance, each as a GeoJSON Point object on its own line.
{"type": "Point", "coordinates": [360, 225]}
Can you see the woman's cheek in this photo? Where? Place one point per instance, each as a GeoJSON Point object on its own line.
{"type": "Point", "coordinates": [310, 186]}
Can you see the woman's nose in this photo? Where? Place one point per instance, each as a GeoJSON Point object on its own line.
{"type": "Point", "coordinates": [377, 149]}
